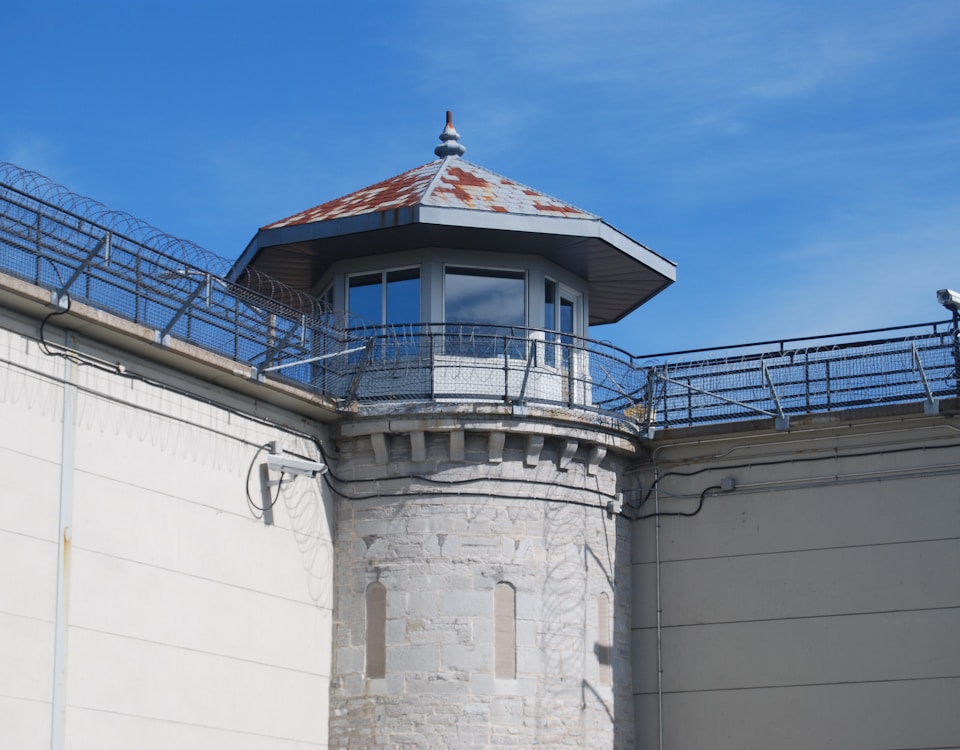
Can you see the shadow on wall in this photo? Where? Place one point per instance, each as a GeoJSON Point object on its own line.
{"type": "Point", "coordinates": [585, 623]}
{"type": "Point", "coordinates": [310, 519]}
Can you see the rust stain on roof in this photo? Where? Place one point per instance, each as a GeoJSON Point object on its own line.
{"type": "Point", "coordinates": [464, 186]}
{"type": "Point", "coordinates": [558, 207]}
{"type": "Point", "coordinates": [447, 183]}
{"type": "Point", "coordinates": [403, 190]}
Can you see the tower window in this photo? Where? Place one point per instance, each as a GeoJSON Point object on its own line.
{"type": "Point", "coordinates": [505, 631]}
{"type": "Point", "coordinates": [376, 631]}
{"type": "Point", "coordinates": [485, 312]}
{"type": "Point", "coordinates": [385, 297]}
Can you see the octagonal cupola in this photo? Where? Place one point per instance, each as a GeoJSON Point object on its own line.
{"type": "Point", "coordinates": [450, 240]}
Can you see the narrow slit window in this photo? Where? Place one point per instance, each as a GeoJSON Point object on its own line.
{"type": "Point", "coordinates": [505, 631]}
{"type": "Point", "coordinates": [376, 631]}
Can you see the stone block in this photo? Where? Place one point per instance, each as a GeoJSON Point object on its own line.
{"type": "Point", "coordinates": [378, 527]}
{"type": "Point", "coordinates": [441, 683]}
{"type": "Point", "coordinates": [530, 606]}
{"type": "Point", "coordinates": [506, 712]}
{"type": "Point", "coordinates": [455, 657]}
{"type": "Point", "coordinates": [465, 603]}
{"type": "Point", "coordinates": [528, 660]}
{"type": "Point", "coordinates": [526, 634]}
{"type": "Point", "coordinates": [421, 604]}
{"type": "Point", "coordinates": [457, 582]}
{"type": "Point", "coordinates": [420, 525]}
{"type": "Point", "coordinates": [409, 658]}
{"type": "Point", "coordinates": [349, 660]}
{"type": "Point", "coordinates": [396, 630]}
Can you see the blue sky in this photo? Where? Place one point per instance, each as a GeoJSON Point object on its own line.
{"type": "Point", "coordinates": [799, 161]}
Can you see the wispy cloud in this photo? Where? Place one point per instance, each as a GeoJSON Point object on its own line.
{"type": "Point", "coordinates": [33, 151]}
{"type": "Point", "coordinates": [765, 145]}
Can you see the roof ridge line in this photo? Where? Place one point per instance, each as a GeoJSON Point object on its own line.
{"type": "Point", "coordinates": [528, 191]}
{"type": "Point", "coordinates": [433, 180]}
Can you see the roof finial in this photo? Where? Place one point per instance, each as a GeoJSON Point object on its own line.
{"type": "Point", "coordinates": [450, 138]}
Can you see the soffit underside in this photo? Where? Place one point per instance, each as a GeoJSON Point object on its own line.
{"type": "Point", "coordinates": [617, 283]}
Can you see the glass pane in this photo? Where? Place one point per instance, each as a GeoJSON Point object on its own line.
{"type": "Point", "coordinates": [403, 311]}
{"type": "Point", "coordinates": [365, 298]}
{"type": "Point", "coordinates": [491, 305]}
{"type": "Point", "coordinates": [566, 327]}
{"type": "Point", "coordinates": [550, 321]}
{"type": "Point", "coordinates": [403, 296]}
{"type": "Point", "coordinates": [481, 296]}
{"type": "Point", "coordinates": [566, 315]}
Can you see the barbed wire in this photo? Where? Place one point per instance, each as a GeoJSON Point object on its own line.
{"type": "Point", "coordinates": [56, 238]}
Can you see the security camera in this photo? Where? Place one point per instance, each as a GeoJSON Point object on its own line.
{"type": "Point", "coordinates": [288, 464]}
{"type": "Point", "coordinates": [949, 299]}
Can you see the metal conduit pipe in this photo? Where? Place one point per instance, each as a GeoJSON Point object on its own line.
{"type": "Point", "coordinates": [656, 500]}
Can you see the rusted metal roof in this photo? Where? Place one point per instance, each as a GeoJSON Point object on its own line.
{"type": "Point", "coordinates": [450, 182]}
{"type": "Point", "coordinates": [456, 205]}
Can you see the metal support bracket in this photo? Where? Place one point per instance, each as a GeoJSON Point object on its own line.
{"type": "Point", "coordinates": [361, 368]}
{"type": "Point", "coordinates": [59, 297]}
{"type": "Point", "coordinates": [717, 396]}
{"type": "Point", "coordinates": [526, 373]}
{"type": "Point", "coordinates": [930, 404]}
{"type": "Point", "coordinates": [307, 361]}
{"type": "Point", "coordinates": [782, 421]}
{"type": "Point", "coordinates": [298, 325]}
{"type": "Point", "coordinates": [163, 337]}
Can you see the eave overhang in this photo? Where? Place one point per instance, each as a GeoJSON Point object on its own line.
{"type": "Point", "coordinates": [621, 273]}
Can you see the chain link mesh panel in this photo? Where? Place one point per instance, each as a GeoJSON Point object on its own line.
{"type": "Point", "coordinates": [81, 250]}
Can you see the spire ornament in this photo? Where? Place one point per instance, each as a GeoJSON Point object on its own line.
{"type": "Point", "coordinates": [450, 138]}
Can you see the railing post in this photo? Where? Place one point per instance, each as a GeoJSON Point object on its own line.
{"type": "Point", "coordinates": [138, 287]}
{"type": "Point", "coordinates": [431, 366]}
{"type": "Point", "coordinates": [531, 356]}
{"type": "Point", "coordinates": [81, 269]}
{"type": "Point", "coordinates": [162, 336]}
{"type": "Point", "coordinates": [666, 395]}
{"type": "Point", "coordinates": [955, 333]}
{"type": "Point", "coordinates": [650, 398]}
{"type": "Point", "coordinates": [828, 384]}
{"type": "Point", "coordinates": [782, 420]}
{"type": "Point", "coordinates": [506, 370]}
{"type": "Point", "coordinates": [361, 368]}
{"type": "Point", "coordinates": [930, 404]}
{"type": "Point", "coordinates": [236, 328]}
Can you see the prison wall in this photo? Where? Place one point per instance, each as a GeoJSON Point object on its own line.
{"type": "Point", "coordinates": [144, 602]}
{"type": "Point", "coordinates": [814, 600]}
{"type": "Point", "coordinates": [482, 590]}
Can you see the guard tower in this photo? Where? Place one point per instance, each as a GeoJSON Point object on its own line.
{"type": "Point", "coordinates": [482, 569]}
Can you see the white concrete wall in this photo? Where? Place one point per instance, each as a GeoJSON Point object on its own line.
{"type": "Point", "coordinates": [818, 604]}
{"type": "Point", "coordinates": [184, 621]}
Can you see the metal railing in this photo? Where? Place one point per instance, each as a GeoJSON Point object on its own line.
{"type": "Point", "coordinates": [81, 251]}
{"type": "Point", "coordinates": [904, 364]}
